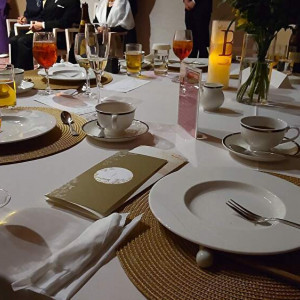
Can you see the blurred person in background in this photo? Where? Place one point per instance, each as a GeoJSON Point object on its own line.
{"type": "Point", "coordinates": [119, 16]}
{"type": "Point", "coordinates": [32, 12]}
{"type": "Point", "coordinates": [197, 18]}
{"type": "Point", "coordinates": [54, 14]}
{"type": "Point", "coordinates": [4, 8]}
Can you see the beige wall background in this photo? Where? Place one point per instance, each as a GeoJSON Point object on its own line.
{"type": "Point", "coordinates": [157, 20]}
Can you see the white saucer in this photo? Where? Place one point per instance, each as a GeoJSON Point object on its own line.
{"type": "Point", "coordinates": [291, 148]}
{"type": "Point", "coordinates": [24, 87]}
{"type": "Point", "coordinates": [136, 129]}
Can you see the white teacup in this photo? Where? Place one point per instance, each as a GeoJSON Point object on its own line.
{"type": "Point", "coordinates": [115, 116]}
{"type": "Point", "coordinates": [19, 76]}
{"type": "Point", "coordinates": [264, 133]}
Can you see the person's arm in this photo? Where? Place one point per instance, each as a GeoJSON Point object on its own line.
{"type": "Point", "coordinates": [189, 4]}
{"type": "Point", "coordinates": [71, 15]}
{"type": "Point", "coordinates": [22, 20]}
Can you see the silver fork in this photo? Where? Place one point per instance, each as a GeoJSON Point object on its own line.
{"type": "Point", "coordinates": [249, 215]}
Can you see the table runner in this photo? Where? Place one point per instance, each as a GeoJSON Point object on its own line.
{"type": "Point", "coordinates": [40, 81]}
{"type": "Point", "coordinates": [162, 265]}
{"type": "Point", "coordinates": [57, 140]}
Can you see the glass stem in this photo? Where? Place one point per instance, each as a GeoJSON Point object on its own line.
{"type": "Point", "coordinates": [87, 79]}
{"type": "Point", "coordinates": [98, 76]}
{"type": "Point", "coordinates": [48, 89]}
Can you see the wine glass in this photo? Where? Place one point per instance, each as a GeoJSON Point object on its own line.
{"type": "Point", "coordinates": [45, 53]}
{"type": "Point", "coordinates": [182, 46]}
{"type": "Point", "coordinates": [82, 59]}
{"type": "Point", "coordinates": [7, 99]}
{"type": "Point", "coordinates": [97, 49]}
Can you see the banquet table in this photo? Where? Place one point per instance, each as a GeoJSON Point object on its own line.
{"type": "Point", "coordinates": [157, 105]}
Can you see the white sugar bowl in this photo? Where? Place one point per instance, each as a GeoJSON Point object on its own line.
{"type": "Point", "coordinates": [212, 96]}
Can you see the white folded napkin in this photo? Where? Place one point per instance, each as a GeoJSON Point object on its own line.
{"type": "Point", "coordinates": [126, 85]}
{"type": "Point", "coordinates": [64, 272]}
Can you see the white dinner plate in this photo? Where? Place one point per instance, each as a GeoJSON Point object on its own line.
{"type": "Point", "coordinates": [173, 64]}
{"type": "Point", "coordinates": [290, 148]}
{"type": "Point", "coordinates": [20, 125]}
{"type": "Point", "coordinates": [192, 204]}
{"type": "Point", "coordinates": [136, 129]}
{"type": "Point", "coordinates": [24, 87]}
{"type": "Point", "coordinates": [67, 73]}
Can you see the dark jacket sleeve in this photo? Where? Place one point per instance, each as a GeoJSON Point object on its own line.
{"type": "Point", "coordinates": [66, 18]}
{"type": "Point", "coordinates": [33, 10]}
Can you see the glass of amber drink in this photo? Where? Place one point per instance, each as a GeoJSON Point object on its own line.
{"type": "Point", "coordinates": [7, 86]}
{"type": "Point", "coordinates": [182, 46]}
{"type": "Point", "coordinates": [133, 56]}
{"type": "Point", "coordinates": [45, 53]}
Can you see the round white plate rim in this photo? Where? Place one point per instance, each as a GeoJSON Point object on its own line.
{"type": "Point", "coordinates": [49, 122]}
{"type": "Point", "coordinates": [176, 65]}
{"type": "Point", "coordinates": [64, 78]}
{"type": "Point", "coordinates": [25, 89]}
{"type": "Point", "coordinates": [144, 64]}
{"type": "Point", "coordinates": [166, 201]}
{"type": "Point", "coordinates": [115, 139]}
{"type": "Point", "coordinates": [271, 158]}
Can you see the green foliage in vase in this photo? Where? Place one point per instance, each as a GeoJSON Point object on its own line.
{"type": "Point", "coordinates": [263, 19]}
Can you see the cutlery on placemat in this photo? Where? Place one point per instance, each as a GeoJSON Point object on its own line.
{"type": "Point", "coordinates": [67, 119]}
{"type": "Point", "coordinates": [81, 89]}
{"type": "Point", "coordinates": [249, 215]}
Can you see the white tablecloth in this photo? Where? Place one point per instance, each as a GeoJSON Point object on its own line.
{"type": "Point", "coordinates": [157, 103]}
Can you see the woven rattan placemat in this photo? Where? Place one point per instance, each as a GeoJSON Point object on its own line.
{"type": "Point", "coordinates": [40, 82]}
{"type": "Point", "coordinates": [57, 140]}
{"type": "Point", "coordinates": [162, 266]}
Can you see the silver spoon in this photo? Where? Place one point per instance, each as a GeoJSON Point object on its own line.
{"type": "Point", "coordinates": [67, 119]}
{"type": "Point", "coordinates": [243, 150]}
{"type": "Point", "coordinates": [81, 89]}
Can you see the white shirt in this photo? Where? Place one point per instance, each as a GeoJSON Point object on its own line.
{"type": "Point", "coordinates": [120, 14]}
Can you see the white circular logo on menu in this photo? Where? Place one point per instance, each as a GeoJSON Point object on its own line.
{"type": "Point", "coordinates": [113, 175]}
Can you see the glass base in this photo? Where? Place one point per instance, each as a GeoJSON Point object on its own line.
{"type": "Point", "coordinates": [46, 92]}
{"type": "Point", "coordinates": [176, 79]}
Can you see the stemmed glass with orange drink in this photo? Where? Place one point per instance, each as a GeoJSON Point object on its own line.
{"type": "Point", "coordinates": [45, 53]}
{"type": "Point", "coordinates": [182, 45]}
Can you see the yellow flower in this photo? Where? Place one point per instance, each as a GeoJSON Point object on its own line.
{"type": "Point", "coordinates": [241, 22]}
{"type": "Point", "coordinates": [236, 12]}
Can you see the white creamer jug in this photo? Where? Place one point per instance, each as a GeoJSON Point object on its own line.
{"type": "Point", "coordinates": [212, 96]}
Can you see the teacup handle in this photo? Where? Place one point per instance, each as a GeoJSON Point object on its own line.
{"type": "Point", "coordinates": [114, 121]}
{"type": "Point", "coordinates": [286, 140]}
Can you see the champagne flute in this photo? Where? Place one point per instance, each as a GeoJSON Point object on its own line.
{"type": "Point", "coordinates": [97, 48]}
{"type": "Point", "coordinates": [182, 46]}
{"type": "Point", "coordinates": [7, 99]}
{"type": "Point", "coordinates": [45, 53]}
{"type": "Point", "coordinates": [82, 59]}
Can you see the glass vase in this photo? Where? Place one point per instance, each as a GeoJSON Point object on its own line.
{"type": "Point", "coordinates": [255, 71]}
{"type": "Point", "coordinates": [256, 87]}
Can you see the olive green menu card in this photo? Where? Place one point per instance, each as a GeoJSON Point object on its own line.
{"type": "Point", "coordinates": [104, 187]}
